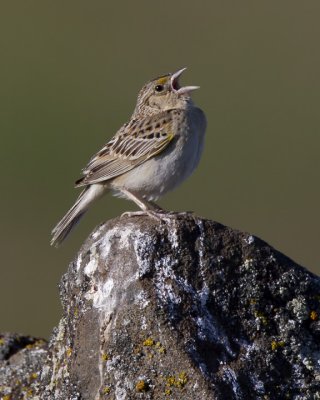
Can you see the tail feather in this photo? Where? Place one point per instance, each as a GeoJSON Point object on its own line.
{"type": "Point", "coordinates": [73, 216]}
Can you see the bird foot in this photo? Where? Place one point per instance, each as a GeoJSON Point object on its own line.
{"type": "Point", "coordinates": [153, 214]}
{"type": "Point", "coordinates": [158, 215]}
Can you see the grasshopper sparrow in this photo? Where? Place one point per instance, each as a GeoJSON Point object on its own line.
{"type": "Point", "coordinates": [150, 155]}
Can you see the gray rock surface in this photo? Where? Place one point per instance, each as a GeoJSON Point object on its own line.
{"type": "Point", "coordinates": [183, 309]}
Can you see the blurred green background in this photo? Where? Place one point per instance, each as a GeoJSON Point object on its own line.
{"type": "Point", "coordinates": [70, 73]}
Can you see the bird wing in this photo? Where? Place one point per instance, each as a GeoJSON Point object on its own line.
{"type": "Point", "coordinates": [135, 143]}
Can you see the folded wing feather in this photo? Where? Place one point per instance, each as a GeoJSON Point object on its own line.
{"type": "Point", "coordinates": [131, 146]}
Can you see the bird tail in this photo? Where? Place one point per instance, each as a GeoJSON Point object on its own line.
{"type": "Point", "coordinates": [73, 216]}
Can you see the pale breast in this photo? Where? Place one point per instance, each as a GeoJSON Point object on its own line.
{"type": "Point", "coordinates": [170, 168]}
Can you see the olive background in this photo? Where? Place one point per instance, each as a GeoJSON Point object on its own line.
{"type": "Point", "coordinates": [70, 72]}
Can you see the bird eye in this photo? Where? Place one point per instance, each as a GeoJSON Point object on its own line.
{"type": "Point", "coordinates": [159, 88]}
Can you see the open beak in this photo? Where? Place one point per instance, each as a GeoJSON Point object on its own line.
{"type": "Point", "coordinates": [175, 83]}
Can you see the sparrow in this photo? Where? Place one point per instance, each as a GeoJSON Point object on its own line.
{"type": "Point", "coordinates": [150, 155]}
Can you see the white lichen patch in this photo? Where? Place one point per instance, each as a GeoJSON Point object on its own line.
{"type": "Point", "coordinates": [201, 237]}
{"type": "Point", "coordinates": [143, 245]}
{"type": "Point", "coordinates": [164, 279]}
{"type": "Point", "coordinates": [60, 370]}
{"type": "Point", "coordinates": [120, 392]}
{"type": "Point", "coordinates": [144, 324]}
{"type": "Point", "coordinates": [204, 295]}
{"type": "Point", "coordinates": [308, 363]}
{"type": "Point", "coordinates": [249, 239]}
{"type": "Point", "coordinates": [272, 258]}
{"type": "Point", "coordinates": [287, 327]}
{"type": "Point", "coordinates": [90, 267]}
{"type": "Point", "coordinates": [209, 330]}
{"type": "Point", "coordinates": [250, 348]}
{"type": "Point", "coordinates": [258, 385]}
{"type": "Point", "coordinates": [113, 363]}
{"type": "Point", "coordinates": [97, 232]}
{"type": "Point", "coordinates": [230, 377]}
{"type": "Point", "coordinates": [299, 308]}
{"type": "Point", "coordinates": [46, 370]}
{"type": "Point", "coordinates": [202, 326]}
{"type": "Point", "coordinates": [173, 235]}
{"type": "Point", "coordinates": [101, 295]}
{"type": "Point", "coordinates": [248, 263]}
{"type": "Point", "coordinates": [103, 292]}
{"type": "Point", "coordinates": [122, 235]}
{"type": "Point", "coordinates": [141, 299]}
{"type": "Point", "coordinates": [79, 261]}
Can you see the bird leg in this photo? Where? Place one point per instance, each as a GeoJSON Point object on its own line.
{"type": "Point", "coordinates": [150, 208]}
{"type": "Point", "coordinates": [147, 207]}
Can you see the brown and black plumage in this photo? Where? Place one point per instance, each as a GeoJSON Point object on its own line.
{"type": "Point", "coordinates": [151, 154]}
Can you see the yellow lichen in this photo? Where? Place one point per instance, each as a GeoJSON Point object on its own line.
{"type": "Point", "coordinates": [275, 345]}
{"type": "Point", "coordinates": [39, 343]}
{"type": "Point", "coordinates": [313, 315]}
{"type": "Point", "coordinates": [28, 393]}
{"type": "Point", "coordinates": [2, 342]}
{"type": "Point", "coordinates": [69, 351]}
{"type": "Point", "coordinates": [104, 356]}
{"type": "Point", "coordinates": [170, 381]}
{"type": "Point", "coordinates": [178, 382]}
{"type": "Point", "coordinates": [34, 375]}
{"type": "Point", "coordinates": [149, 342]}
{"type": "Point", "coordinates": [6, 397]}
{"type": "Point", "coordinates": [106, 390]}
{"type": "Point", "coordinates": [142, 386]}
{"type": "Point", "coordinates": [183, 378]}
{"type": "Point", "coordinates": [167, 392]}
{"type": "Point", "coordinates": [160, 348]}
{"type": "Point", "coordinates": [262, 317]}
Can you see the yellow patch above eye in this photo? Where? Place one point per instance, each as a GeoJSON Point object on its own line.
{"type": "Point", "coordinates": [162, 81]}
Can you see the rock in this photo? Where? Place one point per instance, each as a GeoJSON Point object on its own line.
{"type": "Point", "coordinates": [21, 361]}
{"type": "Point", "coordinates": [182, 309]}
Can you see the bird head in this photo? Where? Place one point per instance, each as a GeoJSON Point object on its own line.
{"type": "Point", "coordinates": [164, 93]}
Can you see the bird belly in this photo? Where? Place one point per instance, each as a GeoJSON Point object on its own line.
{"type": "Point", "coordinates": [163, 173]}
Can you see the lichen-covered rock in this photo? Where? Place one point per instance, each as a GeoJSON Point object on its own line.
{"type": "Point", "coordinates": [21, 365]}
{"type": "Point", "coordinates": [181, 309]}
